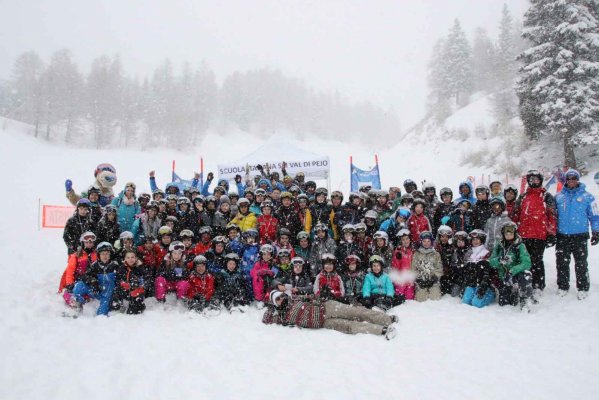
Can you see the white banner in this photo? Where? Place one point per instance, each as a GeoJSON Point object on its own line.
{"type": "Point", "coordinates": [316, 167]}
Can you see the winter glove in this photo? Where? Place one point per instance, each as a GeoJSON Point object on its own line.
{"type": "Point", "coordinates": [70, 287]}
{"type": "Point", "coordinates": [482, 289]}
{"type": "Point", "coordinates": [68, 185]}
{"type": "Point", "coordinates": [398, 255]}
{"type": "Point", "coordinates": [425, 283]}
{"type": "Point", "coordinates": [507, 279]}
{"type": "Point", "coordinates": [551, 240]}
{"type": "Point", "coordinates": [125, 285]}
{"type": "Point", "coordinates": [237, 178]}
{"type": "Point", "coordinates": [595, 238]}
{"type": "Point", "coordinates": [210, 177]}
{"type": "Point", "coordinates": [259, 168]}
{"type": "Point", "coordinates": [325, 293]}
{"type": "Point", "coordinates": [196, 175]}
{"type": "Point", "coordinates": [137, 292]}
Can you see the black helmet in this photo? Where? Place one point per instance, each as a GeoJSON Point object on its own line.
{"type": "Point", "coordinates": [284, 232]}
{"type": "Point", "coordinates": [509, 226]}
{"type": "Point", "coordinates": [511, 188]}
{"type": "Point", "coordinates": [482, 189]}
{"type": "Point", "coordinates": [497, 200]}
{"type": "Point", "coordinates": [104, 246]}
{"type": "Point", "coordinates": [478, 233]}
{"type": "Point", "coordinates": [446, 191]}
{"type": "Point", "coordinates": [535, 173]}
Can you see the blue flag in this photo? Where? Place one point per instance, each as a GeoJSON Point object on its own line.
{"type": "Point", "coordinates": [359, 177]}
{"type": "Point", "coordinates": [183, 184]}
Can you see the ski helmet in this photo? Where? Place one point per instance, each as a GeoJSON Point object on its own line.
{"type": "Point", "coordinates": [87, 236]}
{"type": "Point", "coordinates": [104, 246]}
{"type": "Point", "coordinates": [176, 246]}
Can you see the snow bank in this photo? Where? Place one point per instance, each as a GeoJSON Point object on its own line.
{"type": "Point", "coordinates": [444, 349]}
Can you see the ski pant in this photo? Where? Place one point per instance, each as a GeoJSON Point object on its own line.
{"type": "Point", "coordinates": [406, 290]}
{"type": "Point", "coordinates": [471, 297]}
{"type": "Point", "coordinates": [162, 286]}
{"type": "Point", "coordinates": [536, 248]}
{"type": "Point", "coordinates": [432, 293]}
{"type": "Point", "coordinates": [518, 289]}
{"type": "Point", "coordinates": [353, 320]}
{"type": "Point", "coordinates": [567, 246]}
{"type": "Point", "coordinates": [81, 291]}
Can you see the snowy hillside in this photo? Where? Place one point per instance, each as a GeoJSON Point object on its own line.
{"type": "Point", "coordinates": [444, 349]}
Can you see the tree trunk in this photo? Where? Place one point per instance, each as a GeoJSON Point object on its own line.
{"type": "Point", "coordinates": [569, 156]}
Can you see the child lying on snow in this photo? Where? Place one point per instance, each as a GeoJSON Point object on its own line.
{"type": "Point", "coordinates": [329, 314]}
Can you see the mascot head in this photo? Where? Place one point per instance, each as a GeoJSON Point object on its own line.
{"type": "Point", "coordinates": [105, 175]}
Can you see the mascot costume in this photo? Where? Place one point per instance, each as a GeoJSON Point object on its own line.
{"type": "Point", "coordinates": [105, 175]}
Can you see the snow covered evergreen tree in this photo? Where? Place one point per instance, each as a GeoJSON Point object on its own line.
{"type": "Point", "coordinates": [457, 60]}
{"type": "Point", "coordinates": [483, 61]}
{"type": "Point", "coordinates": [27, 103]}
{"type": "Point", "coordinates": [63, 89]}
{"type": "Point", "coordinates": [559, 83]}
{"type": "Point", "coordinates": [505, 102]}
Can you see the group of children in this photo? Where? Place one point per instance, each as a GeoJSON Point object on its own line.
{"type": "Point", "coordinates": [227, 250]}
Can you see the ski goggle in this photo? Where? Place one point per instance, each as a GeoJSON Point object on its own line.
{"type": "Point", "coordinates": [511, 229]}
{"type": "Point", "coordinates": [178, 247]}
{"type": "Point", "coordinates": [475, 235]}
{"type": "Point", "coordinates": [88, 238]}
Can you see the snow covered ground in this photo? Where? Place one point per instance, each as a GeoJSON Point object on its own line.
{"type": "Point", "coordinates": [444, 349]}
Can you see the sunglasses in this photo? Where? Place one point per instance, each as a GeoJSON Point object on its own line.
{"type": "Point", "coordinates": [571, 178]}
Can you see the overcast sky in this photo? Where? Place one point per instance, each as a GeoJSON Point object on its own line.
{"type": "Point", "coordinates": [375, 50]}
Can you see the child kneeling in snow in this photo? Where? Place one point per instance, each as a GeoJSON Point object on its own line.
{"type": "Point", "coordinates": [512, 260]}
{"type": "Point", "coordinates": [478, 292]}
{"type": "Point", "coordinates": [77, 265]}
{"type": "Point", "coordinates": [230, 287]}
{"type": "Point", "coordinates": [328, 314]}
{"type": "Point", "coordinates": [426, 263]}
{"type": "Point", "coordinates": [131, 278]}
{"type": "Point", "coordinates": [201, 285]}
{"type": "Point", "coordinates": [353, 281]}
{"type": "Point", "coordinates": [172, 274]}
{"type": "Point", "coordinates": [98, 281]}
{"type": "Point", "coordinates": [328, 283]}
{"type": "Point", "coordinates": [378, 290]}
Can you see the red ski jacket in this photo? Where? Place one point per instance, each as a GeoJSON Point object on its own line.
{"type": "Point", "coordinates": [535, 214]}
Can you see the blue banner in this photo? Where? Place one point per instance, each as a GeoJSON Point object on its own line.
{"type": "Point", "coordinates": [360, 177]}
{"type": "Point", "coordinates": [182, 184]}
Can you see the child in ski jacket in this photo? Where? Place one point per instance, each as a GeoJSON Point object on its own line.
{"type": "Point", "coordinates": [263, 272]}
{"type": "Point", "coordinates": [401, 266]}
{"type": "Point", "coordinates": [230, 286]}
{"type": "Point", "coordinates": [130, 284]}
{"type": "Point", "coordinates": [98, 282]}
{"type": "Point", "coordinates": [378, 289]}
{"type": "Point", "coordinates": [512, 261]}
{"type": "Point", "coordinates": [173, 274]}
{"type": "Point", "coordinates": [201, 284]}
{"type": "Point", "coordinates": [427, 265]}
{"type": "Point", "coordinates": [478, 290]}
